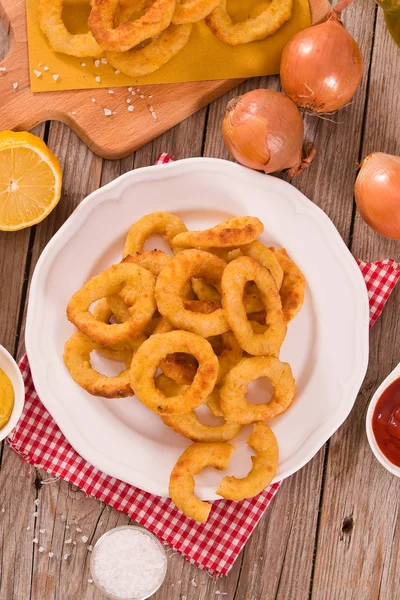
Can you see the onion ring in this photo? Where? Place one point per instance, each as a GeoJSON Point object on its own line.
{"type": "Point", "coordinates": [233, 232]}
{"type": "Point", "coordinates": [128, 34]}
{"type": "Point", "coordinates": [193, 11]}
{"type": "Point", "coordinates": [60, 39]}
{"type": "Point", "coordinates": [189, 424]}
{"type": "Point", "coordinates": [134, 283]}
{"type": "Point", "coordinates": [251, 29]}
{"type": "Point", "coordinates": [158, 52]}
{"type": "Point", "coordinates": [77, 360]}
{"type": "Point", "coordinates": [190, 463]}
{"type": "Point", "coordinates": [235, 276]}
{"type": "Point", "coordinates": [266, 257]}
{"type": "Point", "coordinates": [145, 363]}
{"type": "Point", "coordinates": [265, 463]}
{"type": "Point", "coordinates": [171, 281]}
{"type": "Point", "coordinates": [164, 224]}
{"type": "Point", "coordinates": [232, 395]}
{"type": "Point", "coordinates": [293, 285]}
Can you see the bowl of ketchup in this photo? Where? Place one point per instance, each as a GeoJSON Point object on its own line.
{"type": "Point", "coordinates": [383, 422]}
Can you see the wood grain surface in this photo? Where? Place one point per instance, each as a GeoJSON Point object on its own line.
{"type": "Point", "coordinates": [119, 134]}
{"type": "Point", "coordinates": [333, 531]}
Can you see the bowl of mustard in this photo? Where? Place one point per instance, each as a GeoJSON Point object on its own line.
{"type": "Point", "coordinates": [12, 393]}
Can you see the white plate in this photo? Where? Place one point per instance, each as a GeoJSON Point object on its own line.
{"type": "Point", "coordinates": [326, 344]}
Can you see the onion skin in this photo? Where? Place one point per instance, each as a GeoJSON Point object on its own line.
{"type": "Point", "coordinates": [321, 67]}
{"type": "Point", "coordinates": [264, 130]}
{"type": "Point", "coordinates": [377, 193]}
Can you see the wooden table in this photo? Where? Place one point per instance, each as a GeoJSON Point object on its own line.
{"type": "Point", "coordinates": [333, 530]}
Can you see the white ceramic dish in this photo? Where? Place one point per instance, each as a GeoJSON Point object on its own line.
{"type": "Point", "coordinates": [10, 368]}
{"type": "Point", "coordinates": [326, 345]}
{"type": "Point", "coordinates": [395, 374]}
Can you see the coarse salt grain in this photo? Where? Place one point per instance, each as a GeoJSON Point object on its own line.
{"type": "Point", "coordinates": [128, 100]}
{"type": "Point", "coordinates": [90, 580]}
{"type": "Point", "coordinates": [129, 89]}
{"type": "Point", "coordinates": [107, 112]}
{"type": "Point", "coordinates": [128, 563]}
{"type": "Point", "coordinates": [96, 63]}
{"type": "Point", "coordinates": [68, 541]}
{"type": "Point", "coordinates": [45, 68]}
{"type": "Point", "coordinates": [83, 64]}
{"type": "Point", "coordinates": [131, 108]}
{"type": "Point", "coordinates": [56, 77]}
{"type": "Point", "coordinates": [98, 79]}
{"type": "Point", "coordinates": [35, 514]}
{"type": "Point", "coordinates": [78, 530]}
{"type": "Point", "coordinates": [104, 61]}
{"type": "Point", "coordinates": [36, 502]}
{"type": "Point", "coordinates": [35, 541]}
{"type": "Point", "coordinates": [84, 539]}
{"type": "Point", "coordinates": [42, 531]}
{"type": "Point", "coordinates": [51, 554]}
{"type": "Point", "coordinates": [37, 73]}
{"type": "Point", "coordinates": [3, 69]}
{"type": "Point", "coordinates": [41, 549]}
{"type": "Point", "coordinates": [15, 85]}
{"type": "Point", "coordinates": [117, 72]}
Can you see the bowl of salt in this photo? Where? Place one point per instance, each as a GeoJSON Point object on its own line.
{"type": "Point", "coordinates": [128, 563]}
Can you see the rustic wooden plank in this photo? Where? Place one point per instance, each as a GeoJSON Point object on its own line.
{"type": "Point", "coordinates": [358, 546]}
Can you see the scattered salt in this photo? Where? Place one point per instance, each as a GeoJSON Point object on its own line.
{"type": "Point", "coordinates": [37, 73]}
{"type": "Point", "coordinates": [133, 93]}
{"type": "Point", "coordinates": [117, 72]}
{"type": "Point", "coordinates": [36, 502]}
{"type": "Point", "coordinates": [84, 539]}
{"type": "Point", "coordinates": [73, 112]}
{"type": "Point", "coordinates": [131, 108]}
{"type": "Point", "coordinates": [51, 554]}
{"type": "Point", "coordinates": [78, 530]}
{"type": "Point", "coordinates": [184, 597]}
{"type": "Point", "coordinates": [98, 79]}
{"type": "Point", "coordinates": [41, 549]}
{"type": "Point", "coordinates": [35, 541]}
{"type": "Point", "coordinates": [128, 563]}
{"type": "Point", "coordinates": [67, 527]}
{"type": "Point", "coordinates": [3, 510]}
{"type": "Point", "coordinates": [56, 77]}
{"type": "Point", "coordinates": [15, 85]}
{"type": "Point", "coordinates": [129, 89]}
{"type": "Point", "coordinates": [66, 556]}
{"type": "Point", "coordinates": [193, 582]}
{"type": "Point", "coordinates": [128, 100]}
{"type": "Point", "coordinates": [45, 68]}
{"type": "Point", "coordinates": [74, 543]}
{"type": "Point", "coordinates": [36, 514]}
{"type": "Point", "coordinates": [107, 112]}
{"type": "Point", "coordinates": [96, 63]}
{"type": "Point", "coordinates": [104, 61]}
{"type": "Point", "coordinates": [153, 114]}
{"type": "Point", "coordinates": [90, 548]}
{"type": "Point", "coordinates": [68, 541]}
{"type": "Point", "coordinates": [110, 91]}
{"type": "Point", "coordinates": [141, 96]}
{"type": "Point", "coordinates": [63, 518]}
{"type": "Point", "coordinates": [28, 528]}
{"type": "Point", "coordinates": [42, 531]}
{"type": "Point", "coordinates": [151, 96]}
{"type": "Point", "coordinates": [90, 580]}
{"type": "Point", "coordinates": [3, 69]}
{"type": "Point", "coordinates": [83, 64]}
{"type": "Point", "coordinates": [151, 109]}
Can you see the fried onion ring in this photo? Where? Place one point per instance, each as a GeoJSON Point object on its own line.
{"type": "Point", "coordinates": [164, 224]}
{"type": "Point", "coordinates": [60, 39]}
{"type": "Point", "coordinates": [145, 363]}
{"type": "Point", "coordinates": [135, 284]}
{"type": "Point", "coordinates": [265, 463]}
{"type": "Point", "coordinates": [192, 11]}
{"type": "Point", "coordinates": [128, 34]}
{"type": "Point", "coordinates": [189, 424]}
{"type": "Point", "coordinates": [171, 281]}
{"type": "Point", "coordinates": [232, 395]}
{"type": "Point", "coordinates": [234, 278]}
{"type": "Point", "coordinates": [190, 463]}
{"type": "Point", "coordinates": [233, 232]}
{"type": "Point", "coordinates": [158, 52]}
{"type": "Point", "coordinates": [293, 285]}
{"type": "Point", "coordinates": [251, 29]}
{"type": "Point", "coordinates": [77, 360]}
{"type": "Point", "coordinates": [266, 257]}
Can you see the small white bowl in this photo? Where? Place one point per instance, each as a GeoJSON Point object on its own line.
{"type": "Point", "coordinates": [11, 369]}
{"type": "Point", "coordinates": [395, 374]}
{"type": "Point", "coordinates": [106, 535]}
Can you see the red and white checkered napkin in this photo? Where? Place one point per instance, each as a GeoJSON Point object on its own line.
{"type": "Point", "coordinates": [213, 546]}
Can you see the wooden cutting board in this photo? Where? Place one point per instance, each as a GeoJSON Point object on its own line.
{"type": "Point", "coordinates": [113, 137]}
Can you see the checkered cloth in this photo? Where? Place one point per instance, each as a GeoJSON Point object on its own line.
{"type": "Point", "coordinates": [213, 546]}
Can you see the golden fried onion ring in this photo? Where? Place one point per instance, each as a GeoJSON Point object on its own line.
{"type": "Point", "coordinates": [169, 286]}
{"type": "Point", "coordinates": [293, 285]}
{"type": "Point", "coordinates": [266, 257]}
{"type": "Point", "coordinates": [265, 463]}
{"type": "Point", "coordinates": [129, 34]}
{"type": "Point", "coordinates": [251, 29]}
{"type": "Point", "coordinates": [192, 11]}
{"type": "Point", "coordinates": [150, 354]}
{"type": "Point", "coordinates": [232, 395]}
{"type": "Point", "coordinates": [190, 463]}
{"type": "Point", "coordinates": [158, 52]}
{"type": "Point", "coordinates": [164, 224]}
{"type": "Point", "coordinates": [234, 278]}
{"type": "Point", "coordinates": [233, 232]}
{"type": "Point", "coordinates": [60, 39]}
{"type": "Point", "coordinates": [136, 286]}
{"type": "Point", "coordinates": [189, 424]}
{"type": "Point", "coordinates": [77, 360]}
{"type": "Point", "coordinates": [151, 260]}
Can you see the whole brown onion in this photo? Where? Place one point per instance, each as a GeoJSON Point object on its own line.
{"type": "Point", "coordinates": [321, 66]}
{"type": "Point", "coordinates": [264, 130]}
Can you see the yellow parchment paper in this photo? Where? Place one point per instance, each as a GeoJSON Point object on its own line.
{"type": "Point", "coordinates": [204, 57]}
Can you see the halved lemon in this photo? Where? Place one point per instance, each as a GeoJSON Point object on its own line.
{"type": "Point", "coordinates": [30, 180]}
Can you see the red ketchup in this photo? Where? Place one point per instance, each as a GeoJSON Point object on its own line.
{"type": "Point", "coordinates": [386, 422]}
